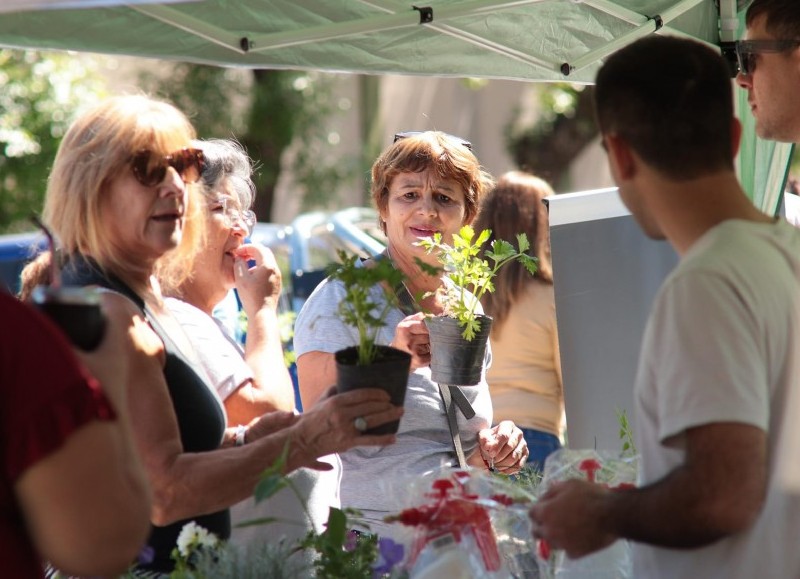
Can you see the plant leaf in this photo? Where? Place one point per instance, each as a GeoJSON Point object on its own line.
{"type": "Point", "coordinates": [336, 527]}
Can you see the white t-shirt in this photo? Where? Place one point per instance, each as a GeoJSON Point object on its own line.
{"type": "Point", "coordinates": [375, 480]}
{"type": "Point", "coordinates": [721, 346]}
{"type": "Point", "coordinates": [223, 360]}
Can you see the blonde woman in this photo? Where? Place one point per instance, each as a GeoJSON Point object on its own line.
{"type": "Point", "coordinates": [120, 198]}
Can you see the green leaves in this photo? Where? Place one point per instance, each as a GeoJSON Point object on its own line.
{"type": "Point", "coordinates": [470, 273]}
{"type": "Point", "coordinates": [272, 479]}
{"type": "Point", "coordinates": [626, 434]}
{"type": "Point", "coordinates": [342, 556]}
{"type": "Point", "coordinates": [357, 308]}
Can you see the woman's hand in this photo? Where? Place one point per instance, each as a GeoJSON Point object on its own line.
{"type": "Point", "coordinates": [260, 285]}
{"type": "Point", "coordinates": [270, 423]}
{"type": "Point", "coordinates": [411, 335]}
{"type": "Point", "coordinates": [503, 447]}
{"type": "Point", "coordinates": [330, 426]}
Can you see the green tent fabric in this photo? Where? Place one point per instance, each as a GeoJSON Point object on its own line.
{"type": "Point", "coordinates": [512, 39]}
{"type": "Point", "coordinates": [528, 40]}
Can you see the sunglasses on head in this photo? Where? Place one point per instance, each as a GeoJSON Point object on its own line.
{"type": "Point", "coordinates": [151, 169]}
{"type": "Point", "coordinates": [449, 137]}
{"type": "Point", "coordinates": [746, 51]}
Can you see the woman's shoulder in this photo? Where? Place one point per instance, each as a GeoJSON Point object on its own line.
{"type": "Point", "coordinates": [119, 309]}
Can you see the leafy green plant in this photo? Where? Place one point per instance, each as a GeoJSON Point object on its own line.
{"type": "Point", "coordinates": [358, 308]}
{"type": "Point", "coordinates": [472, 276]}
{"type": "Point", "coordinates": [626, 434]}
{"type": "Point", "coordinates": [342, 555]}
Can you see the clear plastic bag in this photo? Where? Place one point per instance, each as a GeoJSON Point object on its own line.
{"type": "Point", "coordinates": [467, 524]}
{"type": "Point", "coordinates": [600, 467]}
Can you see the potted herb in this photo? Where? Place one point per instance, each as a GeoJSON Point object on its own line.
{"type": "Point", "coordinates": [367, 364]}
{"type": "Point", "coordinates": [459, 336]}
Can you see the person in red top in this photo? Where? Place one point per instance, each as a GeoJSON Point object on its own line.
{"type": "Point", "coordinates": [72, 489]}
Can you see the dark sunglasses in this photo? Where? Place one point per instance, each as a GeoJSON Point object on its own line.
{"type": "Point", "coordinates": [150, 169]}
{"type": "Point", "coordinates": [746, 51]}
{"type": "Point", "coordinates": [407, 134]}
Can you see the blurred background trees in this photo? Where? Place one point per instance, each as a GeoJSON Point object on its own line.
{"type": "Point", "coordinates": [39, 93]}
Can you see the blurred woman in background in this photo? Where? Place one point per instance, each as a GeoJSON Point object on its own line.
{"type": "Point", "coordinates": [525, 375]}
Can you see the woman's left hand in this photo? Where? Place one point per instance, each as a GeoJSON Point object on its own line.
{"type": "Point", "coordinates": [503, 447]}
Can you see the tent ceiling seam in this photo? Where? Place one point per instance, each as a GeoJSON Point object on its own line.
{"type": "Point", "coordinates": [191, 25]}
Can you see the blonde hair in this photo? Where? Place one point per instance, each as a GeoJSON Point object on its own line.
{"type": "Point", "coordinates": [419, 152]}
{"type": "Point", "coordinates": [96, 148]}
{"type": "Point", "coordinates": [515, 206]}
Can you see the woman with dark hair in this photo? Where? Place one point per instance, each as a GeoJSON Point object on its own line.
{"type": "Point", "coordinates": [526, 371]}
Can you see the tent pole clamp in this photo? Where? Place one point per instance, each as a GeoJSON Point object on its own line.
{"type": "Point", "coordinates": [659, 22]}
{"type": "Point", "coordinates": [567, 68]}
{"type": "Point", "coordinates": [425, 14]}
{"type": "Point", "coordinates": [245, 44]}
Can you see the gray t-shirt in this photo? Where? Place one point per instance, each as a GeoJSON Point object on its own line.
{"type": "Point", "coordinates": [374, 479]}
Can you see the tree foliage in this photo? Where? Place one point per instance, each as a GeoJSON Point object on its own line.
{"type": "Point", "coordinates": [41, 93]}
{"type": "Point", "coordinates": [563, 128]}
{"type": "Point", "coordinates": [266, 110]}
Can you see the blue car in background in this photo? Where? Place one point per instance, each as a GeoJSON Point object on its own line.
{"type": "Point", "coordinates": [15, 251]}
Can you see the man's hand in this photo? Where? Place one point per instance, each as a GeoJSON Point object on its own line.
{"type": "Point", "coordinates": [573, 516]}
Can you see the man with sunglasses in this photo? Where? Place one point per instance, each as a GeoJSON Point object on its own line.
{"type": "Point", "coordinates": [769, 68]}
{"type": "Point", "coordinates": [719, 354]}
{"type": "Point", "coordinates": [772, 80]}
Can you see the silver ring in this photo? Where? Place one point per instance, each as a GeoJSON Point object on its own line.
{"type": "Point", "coordinates": [360, 424]}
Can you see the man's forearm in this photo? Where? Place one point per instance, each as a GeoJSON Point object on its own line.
{"type": "Point", "coordinates": [680, 511]}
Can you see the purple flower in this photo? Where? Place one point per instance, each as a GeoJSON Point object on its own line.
{"type": "Point", "coordinates": [146, 555]}
{"type": "Point", "coordinates": [389, 554]}
{"type": "Point", "coordinates": [350, 541]}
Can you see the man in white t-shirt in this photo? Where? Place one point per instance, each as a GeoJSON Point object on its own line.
{"type": "Point", "coordinates": [718, 355]}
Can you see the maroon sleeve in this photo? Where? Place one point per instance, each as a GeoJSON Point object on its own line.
{"type": "Point", "coordinates": [45, 394]}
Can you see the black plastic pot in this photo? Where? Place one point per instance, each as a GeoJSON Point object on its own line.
{"type": "Point", "coordinates": [388, 372]}
{"type": "Point", "coordinates": [455, 360]}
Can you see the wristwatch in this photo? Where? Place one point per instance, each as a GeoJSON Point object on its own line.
{"type": "Point", "coordinates": [239, 435]}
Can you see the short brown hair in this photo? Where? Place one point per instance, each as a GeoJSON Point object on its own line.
{"type": "Point", "coordinates": [430, 150]}
{"type": "Point", "coordinates": [782, 17]}
{"type": "Point", "coordinates": [671, 100]}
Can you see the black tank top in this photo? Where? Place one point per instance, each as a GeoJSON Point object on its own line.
{"type": "Point", "coordinates": [201, 417]}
